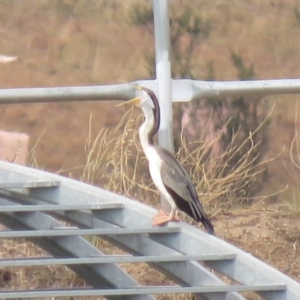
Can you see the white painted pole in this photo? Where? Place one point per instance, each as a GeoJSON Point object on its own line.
{"type": "Point", "coordinates": [163, 71]}
{"type": "Point", "coordinates": [163, 77]}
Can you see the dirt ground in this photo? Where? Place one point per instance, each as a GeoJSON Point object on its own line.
{"type": "Point", "coordinates": [267, 233]}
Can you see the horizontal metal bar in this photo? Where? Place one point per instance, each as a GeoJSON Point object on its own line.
{"type": "Point", "coordinates": [140, 291]}
{"type": "Point", "coordinates": [98, 276]}
{"type": "Point", "coordinates": [58, 94]}
{"type": "Point", "coordinates": [121, 92]}
{"type": "Point", "coordinates": [105, 259]}
{"type": "Point", "coordinates": [182, 90]}
{"type": "Point", "coordinates": [206, 89]}
{"type": "Point", "coordinates": [76, 231]}
{"type": "Point", "coordinates": [55, 207]}
{"type": "Point", "coordinates": [29, 185]}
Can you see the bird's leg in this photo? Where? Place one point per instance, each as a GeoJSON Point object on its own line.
{"type": "Point", "coordinates": [162, 217]}
{"type": "Point", "coordinates": [177, 215]}
{"type": "Point", "coordinates": [174, 215]}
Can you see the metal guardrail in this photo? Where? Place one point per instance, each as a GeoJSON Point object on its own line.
{"type": "Point", "coordinates": [182, 252]}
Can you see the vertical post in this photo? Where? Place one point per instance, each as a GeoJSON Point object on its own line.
{"type": "Point", "coordinates": [163, 77]}
{"type": "Point", "coordinates": [163, 71]}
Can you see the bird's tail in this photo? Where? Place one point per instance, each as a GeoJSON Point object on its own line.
{"type": "Point", "coordinates": [208, 225]}
{"type": "Point", "coordinates": [203, 218]}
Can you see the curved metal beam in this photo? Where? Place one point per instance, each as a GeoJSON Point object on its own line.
{"type": "Point", "coordinates": [134, 215]}
{"type": "Point", "coordinates": [106, 276]}
{"type": "Point", "coordinates": [244, 269]}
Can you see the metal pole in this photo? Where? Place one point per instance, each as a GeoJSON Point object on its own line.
{"type": "Point", "coordinates": [243, 88]}
{"type": "Point", "coordinates": [163, 75]}
{"type": "Point", "coordinates": [59, 94]}
{"type": "Point", "coordinates": [163, 71]}
{"type": "Point", "coordinates": [185, 90]}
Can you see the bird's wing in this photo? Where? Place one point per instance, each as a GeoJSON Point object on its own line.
{"type": "Point", "coordinates": [179, 185]}
{"type": "Point", "coordinates": [175, 178]}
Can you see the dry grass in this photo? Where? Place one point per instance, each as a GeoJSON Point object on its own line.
{"type": "Point", "coordinates": [293, 168]}
{"type": "Point", "coordinates": [115, 160]}
{"type": "Point", "coordinates": [220, 184]}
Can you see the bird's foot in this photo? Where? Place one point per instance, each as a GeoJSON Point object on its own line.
{"type": "Point", "coordinates": [162, 218]}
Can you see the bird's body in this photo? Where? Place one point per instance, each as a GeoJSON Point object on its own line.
{"type": "Point", "coordinates": [168, 175]}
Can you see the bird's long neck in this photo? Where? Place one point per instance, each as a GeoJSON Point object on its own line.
{"type": "Point", "coordinates": [146, 131]}
{"type": "Point", "coordinates": [151, 124]}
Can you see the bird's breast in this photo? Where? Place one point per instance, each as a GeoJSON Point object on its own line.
{"type": "Point", "coordinates": [154, 168]}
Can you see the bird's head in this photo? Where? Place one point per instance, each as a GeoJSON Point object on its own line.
{"type": "Point", "coordinates": [144, 99]}
{"type": "Point", "coordinates": [148, 102]}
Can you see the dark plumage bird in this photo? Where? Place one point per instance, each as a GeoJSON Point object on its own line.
{"type": "Point", "coordinates": [168, 175]}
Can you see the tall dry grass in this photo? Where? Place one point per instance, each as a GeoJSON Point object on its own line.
{"type": "Point", "coordinates": [115, 161]}
{"type": "Point", "coordinates": [292, 199]}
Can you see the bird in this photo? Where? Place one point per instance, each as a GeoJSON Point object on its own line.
{"type": "Point", "coordinates": [168, 175]}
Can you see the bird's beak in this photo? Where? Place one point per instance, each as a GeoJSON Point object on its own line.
{"type": "Point", "coordinates": [133, 102]}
